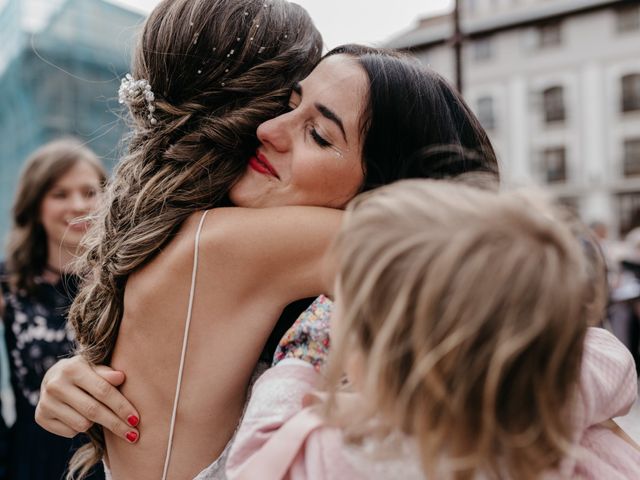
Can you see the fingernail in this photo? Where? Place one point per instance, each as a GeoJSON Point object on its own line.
{"type": "Point", "coordinates": [133, 420]}
{"type": "Point", "coordinates": [132, 437]}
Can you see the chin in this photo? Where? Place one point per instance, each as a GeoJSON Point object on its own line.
{"type": "Point", "coordinates": [235, 196]}
{"type": "Point", "coordinates": [240, 198]}
{"type": "Point", "coordinates": [72, 241]}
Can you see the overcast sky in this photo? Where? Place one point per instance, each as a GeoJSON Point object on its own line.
{"type": "Point", "coordinates": [362, 21]}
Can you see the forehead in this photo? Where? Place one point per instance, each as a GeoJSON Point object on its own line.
{"type": "Point", "coordinates": [81, 172]}
{"type": "Point", "coordinates": [340, 83]}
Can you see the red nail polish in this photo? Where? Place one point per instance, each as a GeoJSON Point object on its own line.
{"type": "Point", "coordinates": [132, 436]}
{"type": "Point", "coordinates": [133, 420]}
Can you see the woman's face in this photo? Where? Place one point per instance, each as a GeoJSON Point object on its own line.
{"type": "Point", "coordinates": [72, 196]}
{"type": "Point", "coordinates": [311, 155]}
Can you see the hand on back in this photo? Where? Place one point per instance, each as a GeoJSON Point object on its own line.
{"type": "Point", "coordinates": [75, 395]}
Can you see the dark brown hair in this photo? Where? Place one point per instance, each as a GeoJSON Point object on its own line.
{"type": "Point", "coordinates": [27, 250]}
{"type": "Point", "coordinates": [217, 68]}
{"type": "Point", "coordinates": [415, 124]}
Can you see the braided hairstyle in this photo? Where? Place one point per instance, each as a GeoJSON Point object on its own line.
{"type": "Point", "coordinates": [217, 69]}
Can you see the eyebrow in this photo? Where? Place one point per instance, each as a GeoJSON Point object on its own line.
{"type": "Point", "coordinates": [324, 111]}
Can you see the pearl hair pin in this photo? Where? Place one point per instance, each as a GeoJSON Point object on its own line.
{"type": "Point", "coordinates": [131, 91]}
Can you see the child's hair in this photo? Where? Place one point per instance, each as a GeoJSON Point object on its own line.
{"type": "Point", "coordinates": [216, 69]}
{"type": "Point", "coordinates": [27, 249]}
{"type": "Point", "coordinates": [469, 309]}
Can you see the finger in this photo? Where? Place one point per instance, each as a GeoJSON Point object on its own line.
{"type": "Point", "coordinates": [86, 411]}
{"type": "Point", "coordinates": [108, 395]}
{"type": "Point", "coordinates": [56, 412]}
{"type": "Point", "coordinates": [114, 377]}
{"type": "Point", "coordinates": [59, 428]}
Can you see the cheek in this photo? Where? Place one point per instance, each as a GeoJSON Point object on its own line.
{"type": "Point", "coordinates": [49, 211]}
{"type": "Point", "coordinates": [51, 218]}
{"type": "Point", "coordinates": [333, 178]}
{"type": "Point", "coordinates": [353, 179]}
{"type": "Point", "coordinates": [94, 202]}
{"type": "Point", "coordinates": [345, 184]}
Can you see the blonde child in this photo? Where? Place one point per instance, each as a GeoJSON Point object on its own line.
{"type": "Point", "coordinates": [461, 322]}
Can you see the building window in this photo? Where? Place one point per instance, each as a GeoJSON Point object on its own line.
{"type": "Point", "coordinates": [482, 49]}
{"type": "Point", "coordinates": [632, 157]}
{"type": "Point", "coordinates": [554, 165]}
{"type": "Point", "coordinates": [631, 92]}
{"type": "Point", "coordinates": [628, 18]}
{"type": "Point", "coordinates": [485, 113]}
{"type": "Point", "coordinates": [549, 35]}
{"type": "Point", "coordinates": [553, 104]}
{"type": "Point", "coordinates": [628, 211]}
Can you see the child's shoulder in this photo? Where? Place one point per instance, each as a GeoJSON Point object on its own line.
{"type": "Point", "coordinates": [606, 361]}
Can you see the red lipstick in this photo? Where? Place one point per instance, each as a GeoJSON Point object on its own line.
{"type": "Point", "coordinates": [261, 165]}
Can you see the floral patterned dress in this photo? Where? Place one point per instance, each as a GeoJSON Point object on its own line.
{"type": "Point", "coordinates": [37, 336]}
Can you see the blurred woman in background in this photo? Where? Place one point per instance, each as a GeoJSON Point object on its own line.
{"type": "Point", "coordinates": [59, 186]}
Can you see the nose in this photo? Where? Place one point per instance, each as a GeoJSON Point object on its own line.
{"type": "Point", "coordinates": [276, 132]}
{"type": "Point", "coordinates": [80, 203]}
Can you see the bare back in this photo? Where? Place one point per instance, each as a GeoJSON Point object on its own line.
{"type": "Point", "coordinates": [237, 303]}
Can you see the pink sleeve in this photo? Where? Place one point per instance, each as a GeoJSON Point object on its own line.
{"type": "Point", "coordinates": [275, 398]}
{"type": "Point", "coordinates": [608, 383]}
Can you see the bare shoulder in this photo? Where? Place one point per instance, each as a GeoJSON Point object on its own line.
{"type": "Point", "coordinates": [239, 216]}
{"type": "Point", "coordinates": [236, 227]}
{"type": "Point", "coordinates": [287, 245]}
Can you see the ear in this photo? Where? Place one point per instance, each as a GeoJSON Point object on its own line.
{"type": "Point", "coordinates": [354, 366]}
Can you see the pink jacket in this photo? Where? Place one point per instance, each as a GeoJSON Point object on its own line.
{"type": "Point", "coordinates": [301, 447]}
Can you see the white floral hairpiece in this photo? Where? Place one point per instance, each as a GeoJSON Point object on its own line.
{"type": "Point", "coordinates": [131, 90]}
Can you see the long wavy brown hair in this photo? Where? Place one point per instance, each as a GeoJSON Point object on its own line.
{"type": "Point", "coordinates": [469, 310]}
{"type": "Point", "coordinates": [27, 250]}
{"type": "Point", "coordinates": [217, 68]}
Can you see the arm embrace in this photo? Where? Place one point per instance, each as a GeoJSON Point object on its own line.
{"type": "Point", "coordinates": [282, 252]}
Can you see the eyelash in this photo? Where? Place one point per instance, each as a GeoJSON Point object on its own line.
{"type": "Point", "coordinates": [319, 139]}
{"type": "Point", "coordinates": [322, 143]}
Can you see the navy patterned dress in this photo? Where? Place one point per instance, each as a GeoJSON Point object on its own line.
{"type": "Point", "coordinates": [37, 336]}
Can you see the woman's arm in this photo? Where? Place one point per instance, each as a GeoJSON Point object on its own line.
{"type": "Point", "coordinates": [74, 395]}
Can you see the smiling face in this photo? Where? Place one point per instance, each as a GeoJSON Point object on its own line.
{"type": "Point", "coordinates": [311, 155]}
{"type": "Point", "coordinates": [72, 196]}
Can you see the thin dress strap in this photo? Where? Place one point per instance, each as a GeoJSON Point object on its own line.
{"type": "Point", "coordinates": [183, 355]}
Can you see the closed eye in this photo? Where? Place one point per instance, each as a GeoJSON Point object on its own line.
{"type": "Point", "coordinates": [321, 141]}
{"type": "Point", "coordinates": [294, 101]}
